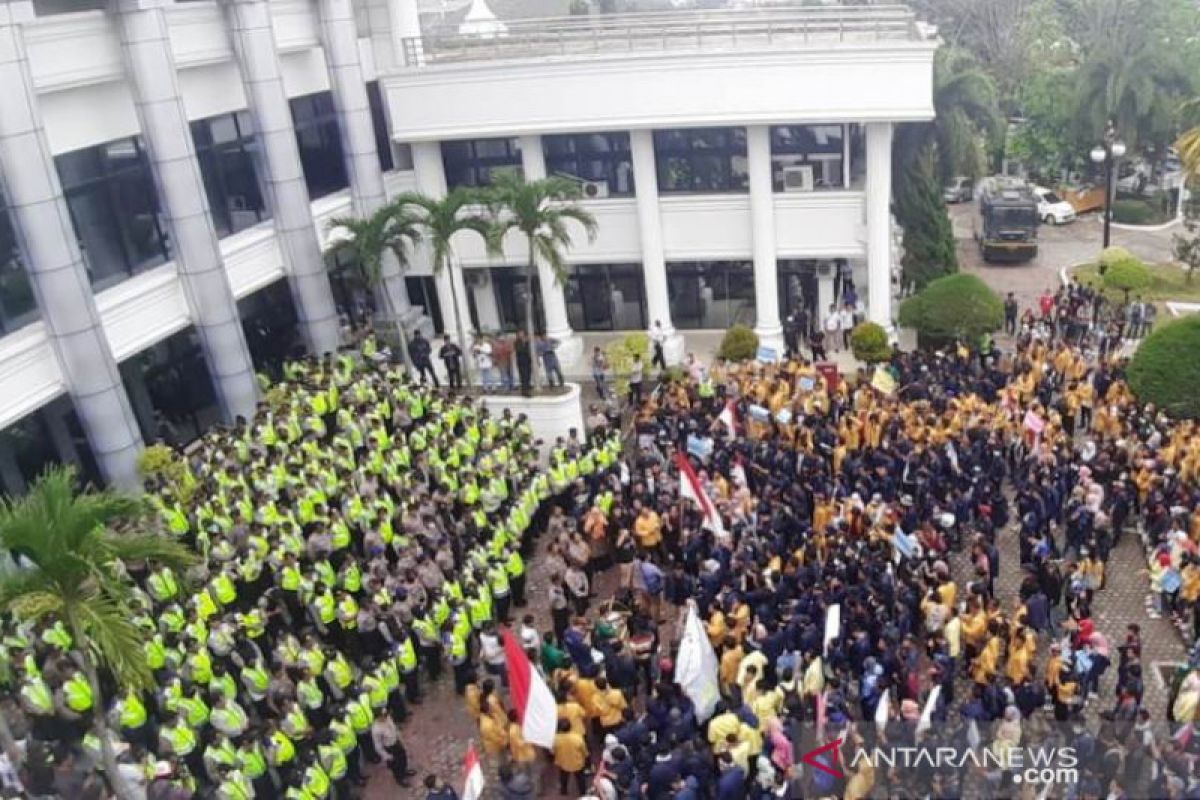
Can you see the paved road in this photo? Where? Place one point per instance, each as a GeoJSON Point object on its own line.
{"type": "Point", "coordinates": [1059, 246]}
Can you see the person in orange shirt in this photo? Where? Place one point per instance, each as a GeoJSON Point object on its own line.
{"type": "Point", "coordinates": [493, 735]}
{"type": "Point", "coordinates": [522, 752]}
{"type": "Point", "coordinates": [647, 529]}
{"type": "Point", "coordinates": [571, 758]}
{"type": "Point", "coordinates": [572, 713]}
{"type": "Point", "coordinates": [612, 704]}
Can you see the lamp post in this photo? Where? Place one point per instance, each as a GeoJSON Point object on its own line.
{"type": "Point", "coordinates": [1108, 154]}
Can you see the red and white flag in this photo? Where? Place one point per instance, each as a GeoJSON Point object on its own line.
{"type": "Point", "coordinates": [728, 418]}
{"type": "Point", "coordinates": [690, 489]}
{"type": "Point", "coordinates": [738, 472]}
{"type": "Point", "coordinates": [535, 705]}
{"type": "Point", "coordinates": [472, 775]}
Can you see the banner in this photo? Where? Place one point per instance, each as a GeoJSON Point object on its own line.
{"type": "Point", "coordinates": [1033, 422]}
{"type": "Point", "coordinates": [829, 371]}
{"type": "Point", "coordinates": [883, 381]}
{"type": "Point", "coordinates": [768, 355]}
{"type": "Point", "coordinates": [833, 625]}
{"type": "Point", "coordinates": [699, 447]}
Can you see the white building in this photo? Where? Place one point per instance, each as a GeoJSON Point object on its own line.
{"type": "Point", "coordinates": [168, 171]}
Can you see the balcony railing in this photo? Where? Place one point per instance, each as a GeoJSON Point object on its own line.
{"type": "Point", "coordinates": [657, 32]}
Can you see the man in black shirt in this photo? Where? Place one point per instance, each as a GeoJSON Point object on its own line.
{"type": "Point", "coordinates": [451, 355]}
{"type": "Point", "coordinates": [421, 352]}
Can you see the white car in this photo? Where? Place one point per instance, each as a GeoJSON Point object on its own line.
{"type": "Point", "coordinates": [1052, 209]}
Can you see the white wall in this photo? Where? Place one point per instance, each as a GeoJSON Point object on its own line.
{"type": "Point", "coordinates": [889, 81]}
{"type": "Point", "coordinates": [550, 417]}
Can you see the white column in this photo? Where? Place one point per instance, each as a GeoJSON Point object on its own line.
{"type": "Point", "coordinates": [150, 69]}
{"type": "Point", "coordinates": [253, 38]}
{"type": "Point", "coordinates": [51, 254]}
{"type": "Point", "coordinates": [879, 223]}
{"type": "Point", "coordinates": [431, 182]}
{"type": "Point", "coordinates": [826, 273]}
{"type": "Point", "coordinates": [406, 33]}
{"type": "Point", "coordinates": [554, 302]}
{"type": "Point", "coordinates": [654, 263]}
{"type": "Point", "coordinates": [339, 35]}
{"type": "Point", "coordinates": [762, 219]}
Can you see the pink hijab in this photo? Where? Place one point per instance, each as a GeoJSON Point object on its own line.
{"type": "Point", "coordinates": [781, 747]}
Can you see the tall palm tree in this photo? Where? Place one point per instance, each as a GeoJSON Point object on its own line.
{"type": "Point", "coordinates": [1137, 88]}
{"type": "Point", "coordinates": [70, 548]}
{"type": "Point", "coordinates": [1188, 144]}
{"type": "Point", "coordinates": [367, 241]}
{"type": "Point", "coordinates": [965, 104]}
{"type": "Point", "coordinates": [539, 210]}
{"type": "Point", "coordinates": [441, 220]}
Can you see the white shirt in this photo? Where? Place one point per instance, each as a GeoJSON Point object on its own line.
{"type": "Point", "coordinates": [846, 319]}
{"type": "Point", "coordinates": [491, 649]}
{"type": "Point", "coordinates": [833, 322]}
{"type": "Point", "coordinates": [483, 355]}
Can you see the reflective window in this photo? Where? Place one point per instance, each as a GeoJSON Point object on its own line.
{"type": "Point", "coordinates": [231, 166]}
{"type": "Point", "coordinates": [269, 323]}
{"type": "Point", "coordinates": [422, 293]}
{"type": "Point", "coordinates": [51, 435]}
{"type": "Point", "coordinates": [606, 297]}
{"type": "Point", "coordinates": [114, 206]}
{"type": "Point", "coordinates": [17, 304]}
{"type": "Point", "coordinates": [711, 294]}
{"type": "Point", "coordinates": [601, 162]}
{"type": "Point", "coordinates": [497, 301]}
{"type": "Point", "coordinates": [470, 162]}
{"type": "Point", "coordinates": [171, 390]}
{"type": "Point", "coordinates": [806, 158]}
{"type": "Point", "coordinates": [48, 8]}
{"type": "Point", "coordinates": [383, 142]}
{"type": "Point", "coordinates": [701, 160]}
{"type": "Point", "coordinates": [320, 142]}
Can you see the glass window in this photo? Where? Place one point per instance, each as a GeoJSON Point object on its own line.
{"type": "Point", "coordinates": [711, 294]}
{"type": "Point", "coordinates": [422, 292]}
{"type": "Point", "coordinates": [51, 435]}
{"type": "Point", "coordinates": [48, 8]}
{"type": "Point", "coordinates": [114, 207]}
{"type": "Point", "coordinates": [269, 322]}
{"type": "Point", "coordinates": [470, 162]}
{"type": "Point", "coordinates": [171, 390]}
{"type": "Point", "coordinates": [320, 142]}
{"type": "Point", "coordinates": [383, 141]}
{"type": "Point", "coordinates": [807, 157]}
{"type": "Point", "coordinates": [509, 291]}
{"type": "Point", "coordinates": [701, 160]}
{"type": "Point", "coordinates": [599, 161]}
{"type": "Point", "coordinates": [231, 168]}
{"type": "Point", "coordinates": [606, 297]}
{"type": "Point", "coordinates": [17, 304]}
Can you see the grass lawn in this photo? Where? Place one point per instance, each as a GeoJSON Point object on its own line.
{"type": "Point", "coordinates": [1167, 282]}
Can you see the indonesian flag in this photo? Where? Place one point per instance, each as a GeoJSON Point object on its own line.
{"type": "Point", "coordinates": [472, 775]}
{"type": "Point", "coordinates": [728, 418]}
{"type": "Point", "coordinates": [531, 697]}
{"type": "Point", "coordinates": [690, 489]}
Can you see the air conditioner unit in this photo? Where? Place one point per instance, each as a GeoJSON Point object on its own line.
{"type": "Point", "coordinates": [593, 190]}
{"type": "Point", "coordinates": [798, 178]}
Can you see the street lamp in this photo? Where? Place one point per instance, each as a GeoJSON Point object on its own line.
{"type": "Point", "coordinates": [1108, 154]}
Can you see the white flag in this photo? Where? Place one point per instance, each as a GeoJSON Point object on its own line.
{"type": "Point", "coordinates": [833, 625]}
{"type": "Point", "coordinates": [696, 666]}
{"type": "Point", "coordinates": [881, 711]}
{"type": "Point", "coordinates": [926, 721]}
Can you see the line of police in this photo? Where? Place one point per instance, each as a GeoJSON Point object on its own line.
{"type": "Point", "coordinates": [381, 521]}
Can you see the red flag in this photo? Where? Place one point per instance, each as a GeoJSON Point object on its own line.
{"type": "Point", "coordinates": [472, 775]}
{"type": "Point", "coordinates": [690, 489]}
{"type": "Point", "coordinates": [531, 696]}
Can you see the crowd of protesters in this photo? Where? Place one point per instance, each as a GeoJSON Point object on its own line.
{"type": "Point", "coordinates": [892, 501]}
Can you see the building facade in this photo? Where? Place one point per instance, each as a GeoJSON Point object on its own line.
{"type": "Point", "coordinates": [168, 171]}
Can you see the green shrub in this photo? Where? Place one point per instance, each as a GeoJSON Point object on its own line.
{"type": "Point", "coordinates": [1165, 370]}
{"type": "Point", "coordinates": [620, 357]}
{"type": "Point", "coordinates": [740, 344]}
{"type": "Point", "coordinates": [1123, 271]}
{"type": "Point", "coordinates": [1132, 212]}
{"type": "Point", "coordinates": [870, 344]}
{"type": "Point", "coordinates": [958, 307]}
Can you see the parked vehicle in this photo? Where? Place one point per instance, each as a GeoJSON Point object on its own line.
{"type": "Point", "coordinates": [1006, 227]}
{"type": "Point", "coordinates": [1052, 209]}
{"type": "Point", "coordinates": [959, 190]}
{"type": "Point", "coordinates": [1084, 198]}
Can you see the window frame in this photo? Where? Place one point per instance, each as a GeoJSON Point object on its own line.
{"type": "Point", "coordinates": [244, 145]}
{"type": "Point", "coordinates": [721, 149]}
{"type": "Point", "coordinates": [570, 160]}
{"type": "Point", "coordinates": [475, 170]}
{"type": "Point", "coordinates": [315, 115]}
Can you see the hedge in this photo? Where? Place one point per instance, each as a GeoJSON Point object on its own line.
{"type": "Point", "coordinates": [1165, 370]}
{"type": "Point", "coordinates": [740, 344]}
{"type": "Point", "coordinates": [869, 342]}
{"type": "Point", "coordinates": [960, 307]}
{"type": "Point", "coordinates": [1132, 212]}
{"type": "Point", "coordinates": [1122, 271]}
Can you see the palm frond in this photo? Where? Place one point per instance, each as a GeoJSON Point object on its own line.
{"type": "Point", "coordinates": [108, 627]}
{"type": "Point", "coordinates": [154, 547]}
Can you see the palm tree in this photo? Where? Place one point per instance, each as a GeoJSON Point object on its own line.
{"type": "Point", "coordinates": [441, 220]}
{"type": "Point", "coordinates": [965, 104]}
{"type": "Point", "coordinates": [539, 210]}
{"type": "Point", "coordinates": [1188, 144]}
{"type": "Point", "coordinates": [367, 241]}
{"type": "Point", "coordinates": [70, 548]}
